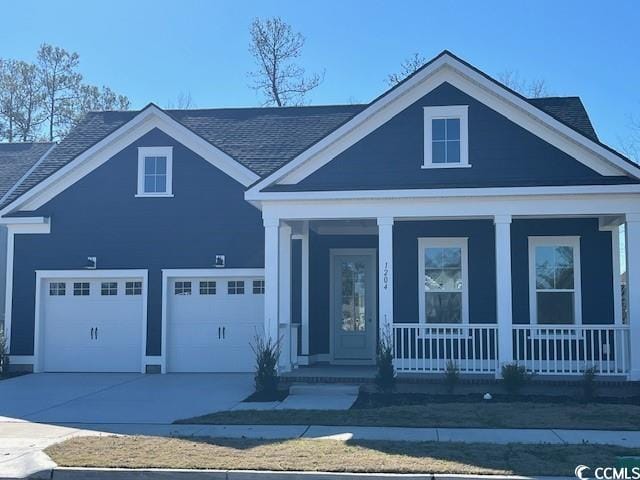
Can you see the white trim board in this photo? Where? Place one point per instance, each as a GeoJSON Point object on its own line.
{"type": "Point", "coordinates": [35, 225]}
{"type": "Point", "coordinates": [149, 118]}
{"type": "Point", "coordinates": [42, 275]}
{"type": "Point", "coordinates": [447, 68]}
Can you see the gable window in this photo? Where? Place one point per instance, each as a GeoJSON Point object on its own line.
{"type": "Point", "coordinates": [57, 289]}
{"type": "Point", "coordinates": [182, 288]}
{"type": "Point", "coordinates": [235, 287]}
{"type": "Point", "coordinates": [109, 288]}
{"type": "Point", "coordinates": [81, 289]}
{"type": "Point", "coordinates": [554, 280]}
{"type": "Point", "coordinates": [446, 137]}
{"type": "Point", "coordinates": [155, 171]}
{"type": "Point", "coordinates": [443, 288]}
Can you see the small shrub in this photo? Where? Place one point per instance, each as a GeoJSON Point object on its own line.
{"type": "Point", "coordinates": [386, 375]}
{"type": "Point", "coordinates": [451, 376]}
{"type": "Point", "coordinates": [589, 382]}
{"type": "Point", "coordinates": [4, 352]}
{"type": "Point", "coordinates": [514, 377]}
{"type": "Point", "coordinates": [267, 353]}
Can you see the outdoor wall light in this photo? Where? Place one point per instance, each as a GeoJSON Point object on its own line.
{"type": "Point", "coordinates": [220, 261]}
{"type": "Point", "coordinates": [92, 263]}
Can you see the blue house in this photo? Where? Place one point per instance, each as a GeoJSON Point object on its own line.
{"type": "Point", "coordinates": [451, 217]}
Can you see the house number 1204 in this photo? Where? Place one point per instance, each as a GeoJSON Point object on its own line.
{"type": "Point", "coordinates": [385, 275]}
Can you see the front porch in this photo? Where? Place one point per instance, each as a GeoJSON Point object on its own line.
{"type": "Point", "coordinates": [490, 308]}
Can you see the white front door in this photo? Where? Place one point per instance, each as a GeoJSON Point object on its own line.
{"type": "Point", "coordinates": [353, 306]}
{"type": "Point", "coordinates": [92, 324]}
{"type": "Point", "coordinates": [212, 322]}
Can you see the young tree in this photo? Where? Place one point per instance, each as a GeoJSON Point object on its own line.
{"type": "Point", "coordinates": [61, 82]}
{"type": "Point", "coordinates": [631, 144]}
{"type": "Point", "coordinates": [531, 89]}
{"type": "Point", "coordinates": [275, 47]}
{"type": "Point", "coordinates": [9, 101]}
{"type": "Point", "coordinates": [31, 113]}
{"type": "Point", "coordinates": [407, 67]}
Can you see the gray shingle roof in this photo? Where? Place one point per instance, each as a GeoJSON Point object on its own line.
{"type": "Point", "coordinates": [15, 161]}
{"type": "Point", "coordinates": [262, 139]}
{"type": "Point", "coordinates": [570, 111]}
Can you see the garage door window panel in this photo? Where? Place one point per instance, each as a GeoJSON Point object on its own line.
{"type": "Point", "coordinates": [81, 289]}
{"type": "Point", "coordinates": [208, 288]}
{"type": "Point", "coordinates": [235, 287]}
{"type": "Point", "coordinates": [57, 289]}
{"type": "Point", "coordinates": [109, 289]}
{"type": "Point", "coordinates": [258, 287]}
{"type": "Point", "coordinates": [182, 288]}
{"type": "Point", "coordinates": [133, 288]}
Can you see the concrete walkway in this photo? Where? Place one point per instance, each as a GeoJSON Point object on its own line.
{"type": "Point", "coordinates": [22, 442]}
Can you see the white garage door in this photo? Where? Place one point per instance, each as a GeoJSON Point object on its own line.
{"type": "Point", "coordinates": [92, 324]}
{"type": "Point", "coordinates": [211, 323]}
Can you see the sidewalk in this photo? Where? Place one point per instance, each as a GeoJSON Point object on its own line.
{"type": "Point", "coordinates": [21, 443]}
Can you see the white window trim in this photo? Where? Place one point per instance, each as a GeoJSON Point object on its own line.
{"type": "Point", "coordinates": [569, 241]}
{"type": "Point", "coordinates": [439, 242]}
{"type": "Point", "coordinates": [454, 111]}
{"type": "Point", "coordinates": [155, 152]}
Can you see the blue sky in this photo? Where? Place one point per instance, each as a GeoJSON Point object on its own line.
{"type": "Point", "coordinates": [153, 50]}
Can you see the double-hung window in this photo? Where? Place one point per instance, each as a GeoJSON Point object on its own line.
{"type": "Point", "coordinates": [155, 171]}
{"type": "Point", "coordinates": [446, 137]}
{"type": "Point", "coordinates": [443, 280]}
{"type": "Point", "coordinates": [554, 280]}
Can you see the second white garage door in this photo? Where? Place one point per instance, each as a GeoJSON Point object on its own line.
{"type": "Point", "coordinates": [212, 321]}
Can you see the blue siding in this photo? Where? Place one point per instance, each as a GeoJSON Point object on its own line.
{"type": "Point", "coordinates": [596, 265]}
{"type": "Point", "coordinates": [100, 216]}
{"type": "Point", "coordinates": [482, 266]}
{"type": "Point", "coordinates": [501, 154]}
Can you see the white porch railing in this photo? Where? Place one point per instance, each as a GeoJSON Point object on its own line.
{"type": "Point", "coordinates": [543, 350]}
{"type": "Point", "coordinates": [562, 350]}
{"type": "Point", "coordinates": [421, 348]}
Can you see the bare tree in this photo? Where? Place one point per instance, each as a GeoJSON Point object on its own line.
{"type": "Point", "coordinates": [275, 47]}
{"type": "Point", "coordinates": [410, 65]}
{"type": "Point", "coordinates": [61, 83]}
{"type": "Point", "coordinates": [531, 89]}
{"type": "Point", "coordinates": [182, 102]}
{"type": "Point", "coordinates": [631, 145]}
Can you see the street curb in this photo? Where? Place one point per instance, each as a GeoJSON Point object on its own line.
{"type": "Point", "coordinates": [76, 473]}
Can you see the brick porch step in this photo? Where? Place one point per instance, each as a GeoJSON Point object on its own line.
{"type": "Point", "coordinates": [323, 389]}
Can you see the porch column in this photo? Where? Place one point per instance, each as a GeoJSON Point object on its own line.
{"type": "Point", "coordinates": [385, 281]}
{"type": "Point", "coordinates": [284, 289]}
{"type": "Point", "coordinates": [271, 277]}
{"type": "Point", "coordinates": [632, 229]}
{"type": "Point", "coordinates": [304, 297]}
{"type": "Point", "coordinates": [504, 309]}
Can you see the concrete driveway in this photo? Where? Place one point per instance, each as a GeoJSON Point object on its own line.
{"type": "Point", "coordinates": [118, 398]}
{"type": "Point", "coordinates": [42, 409]}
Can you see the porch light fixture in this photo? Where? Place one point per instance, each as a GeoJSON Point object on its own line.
{"type": "Point", "coordinates": [92, 263]}
{"type": "Point", "coordinates": [220, 261]}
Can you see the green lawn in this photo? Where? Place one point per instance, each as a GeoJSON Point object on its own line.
{"type": "Point", "coordinates": [488, 415]}
{"type": "Point", "coordinates": [331, 455]}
